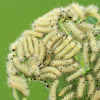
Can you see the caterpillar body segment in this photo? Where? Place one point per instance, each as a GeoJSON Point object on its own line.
{"type": "Point", "coordinates": [32, 33]}
{"type": "Point", "coordinates": [73, 52]}
{"type": "Point", "coordinates": [53, 90]}
{"type": "Point", "coordinates": [52, 70]}
{"type": "Point", "coordinates": [91, 82]}
{"type": "Point", "coordinates": [64, 43]}
{"type": "Point", "coordinates": [75, 75]}
{"type": "Point", "coordinates": [81, 87]}
{"type": "Point", "coordinates": [24, 68]}
{"type": "Point", "coordinates": [97, 66]}
{"type": "Point", "coordinates": [96, 95]}
{"type": "Point", "coordinates": [69, 96]}
{"type": "Point", "coordinates": [98, 75]}
{"type": "Point", "coordinates": [20, 84]}
{"type": "Point", "coordinates": [68, 69]}
{"type": "Point", "coordinates": [66, 50]}
{"type": "Point", "coordinates": [65, 89]}
{"type": "Point", "coordinates": [57, 63]}
{"type": "Point", "coordinates": [11, 55]}
{"type": "Point", "coordinates": [93, 57]}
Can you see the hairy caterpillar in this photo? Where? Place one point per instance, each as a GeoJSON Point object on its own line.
{"type": "Point", "coordinates": [85, 52]}
{"type": "Point", "coordinates": [73, 52]}
{"type": "Point", "coordinates": [53, 90]}
{"type": "Point", "coordinates": [32, 33]}
{"type": "Point", "coordinates": [11, 55]}
{"type": "Point", "coordinates": [23, 67]}
{"type": "Point", "coordinates": [69, 96]}
{"type": "Point", "coordinates": [20, 84]}
{"type": "Point", "coordinates": [70, 68]}
{"type": "Point", "coordinates": [91, 85]}
{"type": "Point", "coordinates": [61, 62]}
{"type": "Point", "coordinates": [81, 87]}
{"type": "Point", "coordinates": [64, 43]}
{"type": "Point", "coordinates": [75, 75]}
{"type": "Point", "coordinates": [97, 66]}
{"type": "Point", "coordinates": [65, 89]}
{"type": "Point", "coordinates": [76, 31]}
{"type": "Point", "coordinates": [52, 70]}
{"type": "Point", "coordinates": [66, 50]}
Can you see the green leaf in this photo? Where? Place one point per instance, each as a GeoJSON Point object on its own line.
{"type": "Point", "coordinates": [91, 20]}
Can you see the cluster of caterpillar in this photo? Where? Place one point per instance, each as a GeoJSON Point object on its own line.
{"type": "Point", "coordinates": [48, 50]}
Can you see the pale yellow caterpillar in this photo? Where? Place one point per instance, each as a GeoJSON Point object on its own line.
{"type": "Point", "coordinates": [98, 75]}
{"type": "Point", "coordinates": [65, 89]}
{"type": "Point", "coordinates": [49, 36]}
{"type": "Point", "coordinates": [63, 44]}
{"type": "Point", "coordinates": [96, 95]}
{"type": "Point", "coordinates": [76, 31]}
{"type": "Point", "coordinates": [67, 69]}
{"type": "Point", "coordinates": [57, 63]}
{"type": "Point", "coordinates": [97, 66]}
{"type": "Point", "coordinates": [73, 52]}
{"type": "Point", "coordinates": [51, 70]}
{"type": "Point", "coordinates": [53, 40]}
{"type": "Point", "coordinates": [69, 96]}
{"type": "Point", "coordinates": [32, 33]}
{"type": "Point", "coordinates": [91, 85]}
{"type": "Point", "coordinates": [53, 90]}
{"type": "Point", "coordinates": [11, 55]}
{"type": "Point", "coordinates": [81, 87]}
{"type": "Point", "coordinates": [93, 57]}
{"type": "Point", "coordinates": [25, 46]}
{"type": "Point", "coordinates": [36, 46]}
{"type": "Point", "coordinates": [11, 70]}
{"type": "Point", "coordinates": [22, 67]}
{"type": "Point", "coordinates": [20, 84]}
{"type": "Point", "coordinates": [66, 50]}
{"type": "Point", "coordinates": [78, 10]}
{"type": "Point", "coordinates": [85, 52]}
{"type": "Point", "coordinates": [76, 74]}
{"type": "Point", "coordinates": [98, 44]}
{"type": "Point", "coordinates": [20, 51]}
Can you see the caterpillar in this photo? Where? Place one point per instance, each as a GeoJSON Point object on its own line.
{"type": "Point", "coordinates": [97, 66]}
{"type": "Point", "coordinates": [81, 87]}
{"type": "Point", "coordinates": [75, 75]}
{"type": "Point", "coordinates": [98, 75]}
{"type": "Point", "coordinates": [11, 55]}
{"type": "Point", "coordinates": [73, 52]}
{"type": "Point", "coordinates": [93, 57]}
{"type": "Point", "coordinates": [32, 33]}
{"type": "Point", "coordinates": [69, 96]}
{"type": "Point", "coordinates": [91, 85]}
{"type": "Point", "coordinates": [64, 43]}
{"type": "Point", "coordinates": [61, 62]}
{"type": "Point", "coordinates": [52, 70]}
{"type": "Point", "coordinates": [68, 69]}
{"type": "Point", "coordinates": [65, 89]}
{"type": "Point", "coordinates": [66, 50]}
{"type": "Point", "coordinates": [20, 84]}
{"type": "Point", "coordinates": [53, 90]}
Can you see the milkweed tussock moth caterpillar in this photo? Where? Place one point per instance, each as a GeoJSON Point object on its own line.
{"type": "Point", "coordinates": [65, 89]}
{"type": "Point", "coordinates": [85, 52]}
{"type": "Point", "coordinates": [73, 52]}
{"type": "Point", "coordinates": [52, 70]}
{"type": "Point", "coordinates": [52, 41]}
{"type": "Point", "coordinates": [97, 66]}
{"type": "Point", "coordinates": [93, 57]}
{"type": "Point", "coordinates": [96, 95]}
{"type": "Point", "coordinates": [68, 69]}
{"type": "Point", "coordinates": [81, 87]}
{"type": "Point", "coordinates": [75, 75]}
{"type": "Point", "coordinates": [32, 33]}
{"type": "Point", "coordinates": [91, 82]}
{"type": "Point", "coordinates": [11, 70]}
{"type": "Point", "coordinates": [20, 84]}
{"type": "Point", "coordinates": [11, 55]}
{"type": "Point", "coordinates": [66, 50]}
{"type": "Point", "coordinates": [22, 67]}
{"type": "Point", "coordinates": [53, 90]}
{"type": "Point", "coordinates": [69, 96]}
{"type": "Point", "coordinates": [78, 10]}
{"type": "Point", "coordinates": [63, 44]}
{"type": "Point", "coordinates": [76, 31]}
{"type": "Point", "coordinates": [57, 63]}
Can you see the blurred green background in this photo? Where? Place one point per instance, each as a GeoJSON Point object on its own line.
{"type": "Point", "coordinates": [15, 17]}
